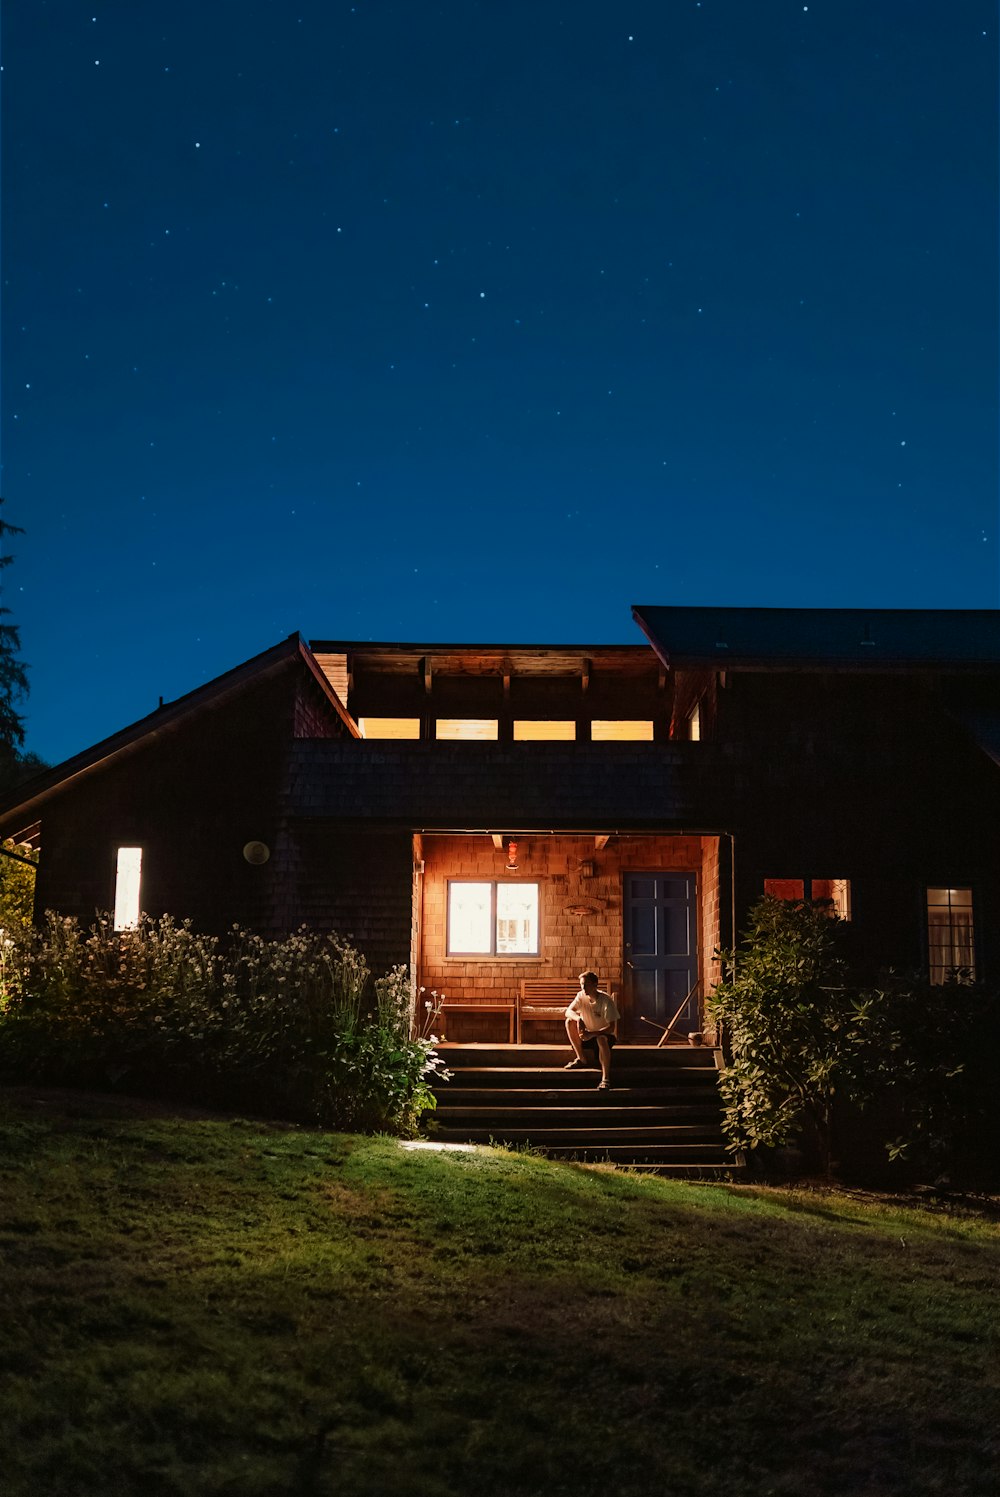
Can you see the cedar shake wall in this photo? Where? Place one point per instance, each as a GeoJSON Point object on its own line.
{"type": "Point", "coordinates": [359, 884]}
{"type": "Point", "coordinates": [865, 778]}
{"type": "Point", "coordinates": [570, 942]}
{"type": "Point", "coordinates": [191, 798]}
{"type": "Point", "coordinates": [314, 715]}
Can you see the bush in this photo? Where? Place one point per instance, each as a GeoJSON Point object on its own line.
{"type": "Point", "coordinates": [282, 1026]}
{"type": "Point", "coordinates": [802, 1035]}
{"type": "Point", "coordinates": [932, 1054]}
{"type": "Point", "coordinates": [794, 1030]}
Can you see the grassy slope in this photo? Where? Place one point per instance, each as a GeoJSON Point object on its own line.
{"type": "Point", "coordinates": [198, 1306]}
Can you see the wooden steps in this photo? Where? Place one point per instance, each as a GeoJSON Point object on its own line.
{"type": "Point", "coordinates": [662, 1112]}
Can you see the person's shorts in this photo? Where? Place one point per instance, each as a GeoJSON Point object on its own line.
{"type": "Point", "coordinates": [591, 1039]}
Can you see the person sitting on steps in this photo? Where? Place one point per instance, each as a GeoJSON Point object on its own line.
{"type": "Point", "coordinates": [592, 1024]}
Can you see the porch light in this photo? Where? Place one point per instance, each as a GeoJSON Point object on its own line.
{"type": "Point", "coordinates": [512, 856]}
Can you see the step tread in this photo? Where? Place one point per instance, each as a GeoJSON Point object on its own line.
{"type": "Point", "coordinates": [574, 1098]}
{"type": "Point", "coordinates": [560, 1115]}
{"type": "Point", "coordinates": [591, 1136]}
{"type": "Point", "coordinates": [704, 1073]}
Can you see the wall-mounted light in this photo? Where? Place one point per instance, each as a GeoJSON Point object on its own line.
{"type": "Point", "coordinates": [512, 856]}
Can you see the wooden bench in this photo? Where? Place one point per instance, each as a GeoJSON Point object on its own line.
{"type": "Point", "coordinates": [544, 998]}
{"type": "Point", "coordinates": [508, 1008]}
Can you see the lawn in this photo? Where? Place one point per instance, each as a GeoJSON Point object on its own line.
{"type": "Point", "coordinates": [205, 1305]}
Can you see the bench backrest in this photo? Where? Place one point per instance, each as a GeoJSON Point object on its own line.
{"type": "Point", "coordinates": [545, 998]}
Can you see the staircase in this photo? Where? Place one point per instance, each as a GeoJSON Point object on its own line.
{"type": "Point", "coordinates": [663, 1112]}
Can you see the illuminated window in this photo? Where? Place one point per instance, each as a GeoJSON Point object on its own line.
{"type": "Point", "coordinates": [536, 731]}
{"type": "Point", "coordinates": [128, 878]}
{"type": "Point", "coordinates": [483, 728]}
{"type": "Point", "coordinates": [694, 723]}
{"type": "Point", "coordinates": [488, 918]}
{"type": "Point", "coordinates": [621, 730]}
{"type": "Point", "coordinates": [835, 891]}
{"type": "Point", "coordinates": [951, 947]}
{"type": "Point", "coordinates": [389, 727]}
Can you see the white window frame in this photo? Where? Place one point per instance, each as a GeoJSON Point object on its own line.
{"type": "Point", "coordinates": [492, 954]}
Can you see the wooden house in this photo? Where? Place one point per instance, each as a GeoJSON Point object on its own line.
{"type": "Point", "coordinates": [501, 817]}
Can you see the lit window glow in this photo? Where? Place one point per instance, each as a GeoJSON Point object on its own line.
{"type": "Point", "coordinates": [517, 919]}
{"type": "Point", "coordinates": [492, 919]}
{"type": "Point", "coordinates": [951, 945]}
{"type": "Point", "coordinates": [530, 730]}
{"type": "Point", "coordinates": [470, 918]}
{"type": "Point", "coordinates": [835, 891]}
{"type": "Point", "coordinates": [389, 727]}
{"type": "Point", "coordinates": [485, 728]}
{"type": "Point", "coordinates": [128, 878]}
{"type": "Point", "coordinates": [621, 730]}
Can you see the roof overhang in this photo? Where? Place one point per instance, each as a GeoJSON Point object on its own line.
{"type": "Point", "coordinates": [927, 640]}
{"type": "Point", "coordinates": [27, 798]}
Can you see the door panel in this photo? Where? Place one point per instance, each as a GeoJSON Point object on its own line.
{"type": "Point", "coordinates": [661, 951]}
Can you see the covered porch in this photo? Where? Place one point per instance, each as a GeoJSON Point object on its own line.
{"type": "Point", "coordinates": [504, 921]}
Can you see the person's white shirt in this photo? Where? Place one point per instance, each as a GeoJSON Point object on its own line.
{"type": "Point", "coordinates": [595, 1011]}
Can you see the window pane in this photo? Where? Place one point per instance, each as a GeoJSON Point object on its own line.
{"type": "Point", "coordinates": [127, 880]}
{"type": "Point", "coordinates": [517, 919]}
{"type": "Point", "coordinates": [785, 888]}
{"type": "Point", "coordinates": [389, 727]}
{"type": "Point", "coordinates": [950, 935]}
{"type": "Point", "coordinates": [694, 723]}
{"type": "Point", "coordinates": [534, 731]}
{"type": "Point", "coordinates": [621, 730]}
{"type": "Point", "coordinates": [837, 891]}
{"type": "Point", "coordinates": [470, 917]}
{"type": "Point", "coordinates": [467, 727]}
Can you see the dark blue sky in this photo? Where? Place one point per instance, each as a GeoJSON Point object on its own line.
{"type": "Point", "coordinates": [483, 321]}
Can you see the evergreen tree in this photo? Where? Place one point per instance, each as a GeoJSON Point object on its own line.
{"type": "Point", "coordinates": [13, 676]}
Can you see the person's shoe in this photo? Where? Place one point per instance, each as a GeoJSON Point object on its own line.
{"type": "Point", "coordinates": [604, 1086]}
{"type": "Point", "coordinates": [575, 1065]}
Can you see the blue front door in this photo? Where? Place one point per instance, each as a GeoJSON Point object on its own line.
{"type": "Point", "coordinates": [661, 951]}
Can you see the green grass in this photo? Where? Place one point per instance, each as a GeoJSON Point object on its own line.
{"type": "Point", "coordinates": [196, 1305]}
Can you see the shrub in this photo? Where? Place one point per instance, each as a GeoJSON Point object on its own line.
{"type": "Point", "coordinates": [933, 1050]}
{"type": "Point", "coordinates": [283, 1026]}
{"type": "Point", "coordinates": [795, 1031]}
{"type": "Point", "coordinates": [800, 1034]}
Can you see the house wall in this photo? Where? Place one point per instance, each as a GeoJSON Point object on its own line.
{"type": "Point", "coordinates": [191, 795]}
{"type": "Point", "coordinates": [863, 777]}
{"type": "Point", "coordinates": [358, 883]}
{"type": "Point", "coordinates": [570, 942]}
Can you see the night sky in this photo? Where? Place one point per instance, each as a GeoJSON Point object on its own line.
{"type": "Point", "coordinates": [458, 321]}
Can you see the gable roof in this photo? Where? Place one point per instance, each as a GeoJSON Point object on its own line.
{"type": "Point", "coordinates": [892, 639]}
{"type": "Point", "coordinates": [290, 653]}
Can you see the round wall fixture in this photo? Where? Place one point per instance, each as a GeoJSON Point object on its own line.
{"type": "Point", "coordinates": [256, 853]}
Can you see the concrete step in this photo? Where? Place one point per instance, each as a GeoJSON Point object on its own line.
{"type": "Point", "coordinates": [666, 1056]}
{"type": "Point", "coordinates": [535, 1077]}
{"type": "Point", "coordinates": [583, 1117]}
{"type": "Point", "coordinates": [618, 1096]}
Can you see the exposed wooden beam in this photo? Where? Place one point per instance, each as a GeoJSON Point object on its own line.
{"type": "Point", "coordinates": [427, 671]}
{"type": "Point", "coordinates": [600, 843]}
{"type": "Point", "coordinates": [497, 841]}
